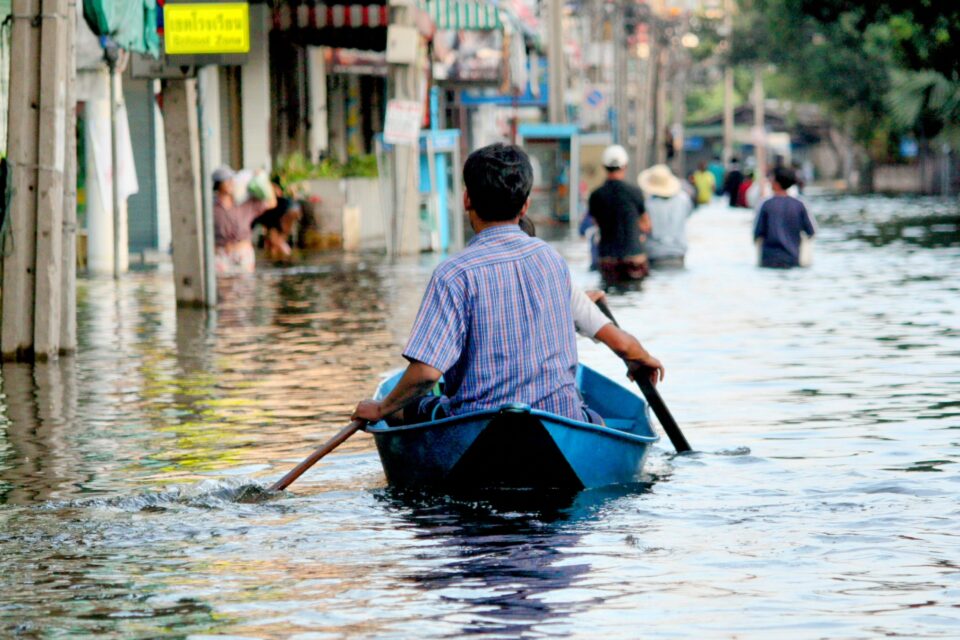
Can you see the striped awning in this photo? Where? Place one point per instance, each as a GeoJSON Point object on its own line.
{"type": "Point", "coordinates": [463, 15]}
{"type": "Point", "coordinates": [333, 16]}
{"type": "Point", "coordinates": [455, 15]}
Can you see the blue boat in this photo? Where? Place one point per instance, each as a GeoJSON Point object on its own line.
{"type": "Point", "coordinates": [517, 447]}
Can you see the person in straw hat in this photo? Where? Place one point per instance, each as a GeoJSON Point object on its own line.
{"type": "Point", "coordinates": [617, 206]}
{"type": "Point", "coordinates": [669, 207]}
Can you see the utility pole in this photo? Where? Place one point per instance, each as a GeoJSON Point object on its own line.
{"type": "Point", "coordinates": [728, 86]}
{"type": "Point", "coordinates": [68, 291]}
{"type": "Point", "coordinates": [660, 128]}
{"type": "Point", "coordinates": [19, 238]}
{"type": "Point", "coordinates": [405, 84]}
{"type": "Point", "coordinates": [555, 61]}
{"type": "Point", "coordinates": [620, 80]}
{"type": "Point", "coordinates": [33, 233]}
{"type": "Point", "coordinates": [182, 134]}
{"type": "Point", "coordinates": [51, 157]}
{"type": "Point", "coordinates": [679, 100]}
{"type": "Point", "coordinates": [646, 131]}
{"type": "Point", "coordinates": [759, 130]}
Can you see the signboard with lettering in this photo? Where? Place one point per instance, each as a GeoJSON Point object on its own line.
{"type": "Point", "coordinates": [206, 28]}
{"type": "Point", "coordinates": [402, 125]}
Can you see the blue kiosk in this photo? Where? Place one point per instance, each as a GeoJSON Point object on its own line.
{"type": "Point", "coordinates": [555, 153]}
{"type": "Point", "coordinates": [442, 216]}
{"type": "Point", "coordinates": [438, 183]}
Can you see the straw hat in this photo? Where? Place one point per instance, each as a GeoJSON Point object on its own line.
{"type": "Point", "coordinates": [658, 180]}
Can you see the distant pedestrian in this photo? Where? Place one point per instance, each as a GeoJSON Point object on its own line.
{"type": "Point", "coordinates": [704, 182]}
{"type": "Point", "coordinates": [779, 224]}
{"type": "Point", "coordinates": [732, 182]}
{"type": "Point", "coordinates": [716, 168]}
{"type": "Point", "coordinates": [618, 209]}
{"type": "Point", "coordinates": [233, 243]}
{"type": "Point", "coordinates": [668, 207]}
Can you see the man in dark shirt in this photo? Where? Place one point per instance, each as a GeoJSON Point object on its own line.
{"type": "Point", "coordinates": [731, 184]}
{"type": "Point", "coordinates": [618, 210]}
{"type": "Point", "coordinates": [779, 223]}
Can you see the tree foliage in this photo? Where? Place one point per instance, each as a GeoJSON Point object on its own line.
{"type": "Point", "coordinates": [885, 67]}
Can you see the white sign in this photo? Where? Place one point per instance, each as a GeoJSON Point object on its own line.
{"type": "Point", "coordinates": [403, 120]}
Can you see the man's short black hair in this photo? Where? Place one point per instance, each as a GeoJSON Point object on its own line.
{"type": "Point", "coordinates": [498, 178]}
{"type": "Point", "coordinates": [785, 177]}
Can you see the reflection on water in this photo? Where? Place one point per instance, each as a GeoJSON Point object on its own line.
{"type": "Point", "coordinates": [822, 503]}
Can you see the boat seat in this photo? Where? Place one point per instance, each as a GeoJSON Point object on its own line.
{"type": "Point", "coordinates": [621, 424]}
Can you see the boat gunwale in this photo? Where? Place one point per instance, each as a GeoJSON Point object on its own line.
{"type": "Point", "coordinates": [489, 414]}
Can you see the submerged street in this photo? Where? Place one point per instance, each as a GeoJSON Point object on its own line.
{"type": "Point", "coordinates": [823, 404]}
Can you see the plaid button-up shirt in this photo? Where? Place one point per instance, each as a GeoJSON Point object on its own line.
{"type": "Point", "coordinates": [496, 320]}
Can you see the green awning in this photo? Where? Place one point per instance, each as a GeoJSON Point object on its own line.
{"type": "Point", "coordinates": [132, 24]}
{"type": "Point", "coordinates": [463, 15]}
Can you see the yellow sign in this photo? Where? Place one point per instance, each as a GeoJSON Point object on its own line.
{"type": "Point", "coordinates": [206, 28]}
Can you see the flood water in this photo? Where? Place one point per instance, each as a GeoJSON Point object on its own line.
{"type": "Point", "coordinates": [824, 405]}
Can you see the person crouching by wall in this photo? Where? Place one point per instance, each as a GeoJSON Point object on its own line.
{"type": "Point", "coordinates": [668, 207]}
{"type": "Point", "coordinates": [278, 225]}
{"type": "Point", "coordinates": [233, 243]}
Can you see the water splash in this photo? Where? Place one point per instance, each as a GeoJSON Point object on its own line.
{"type": "Point", "coordinates": [207, 494]}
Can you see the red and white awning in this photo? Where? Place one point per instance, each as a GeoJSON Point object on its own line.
{"type": "Point", "coordinates": [287, 17]}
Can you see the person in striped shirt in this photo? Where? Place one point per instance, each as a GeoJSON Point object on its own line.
{"type": "Point", "coordinates": [495, 320]}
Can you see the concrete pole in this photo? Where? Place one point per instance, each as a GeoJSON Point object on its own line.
{"type": "Point", "coordinates": [255, 92]}
{"type": "Point", "coordinates": [183, 178]}
{"type": "Point", "coordinates": [68, 290]}
{"type": "Point", "coordinates": [555, 63]}
{"type": "Point", "coordinates": [727, 115]}
{"type": "Point", "coordinates": [660, 128]}
{"type": "Point", "coordinates": [646, 131]}
{"type": "Point", "coordinates": [679, 100]}
{"type": "Point", "coordinates": [160, 172]}
{"type": "Point", "coordinates": [319, 138]}
{"type": "Point", "coordinates": [728, 88]}
{"type": "Point", "coordinates": [621, 79]}
{"type": "Point", "coordinates": [759, 132]}
{"type": "Point", "coordinates": [405, 84]}
{"type": "Point", "coordinates": [119, 238]}
{"type": "Point", "coordinates": [51, 160]}
{"type": "Point", "coordinates": [208, 123]}
{"type": "Point", "coordinates": [19, 231]}
{"type": "Point", "coordinates": [99, 221]}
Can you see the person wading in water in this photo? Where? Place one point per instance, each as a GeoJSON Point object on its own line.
{"type": "Point", "coordinates": [618, 210]}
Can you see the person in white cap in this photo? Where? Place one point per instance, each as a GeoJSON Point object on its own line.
{"type": "Point", "coordinates": [233, 244]}
{"type": "Point", "coordinates": [668, 206]}
{"type": "Point", "coordinates": [618, 209]}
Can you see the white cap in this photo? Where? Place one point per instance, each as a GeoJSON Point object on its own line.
{"type": "Point", "coordinates": [615, 157]}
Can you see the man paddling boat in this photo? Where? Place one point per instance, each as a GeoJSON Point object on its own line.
{"type": "Point", "coordinates": [495, 320]}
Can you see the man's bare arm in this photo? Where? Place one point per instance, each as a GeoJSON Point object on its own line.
{"type": "Point", "coordinates": [639, 361]}
{"type": "Point", "coordinates": [416, 381]}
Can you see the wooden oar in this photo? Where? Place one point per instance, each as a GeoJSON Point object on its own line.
{"type": "Point", "coordinates": [314, 457]}
{"type": "Point", "coordinates": [650, 392]}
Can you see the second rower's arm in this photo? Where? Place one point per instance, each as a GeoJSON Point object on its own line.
{"type": "Point", "coordinates": [416, 381]}
{"type": "Point", "coordinates": [587, 318]}
{"type": "Point", "coordinates": [639, 361]}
